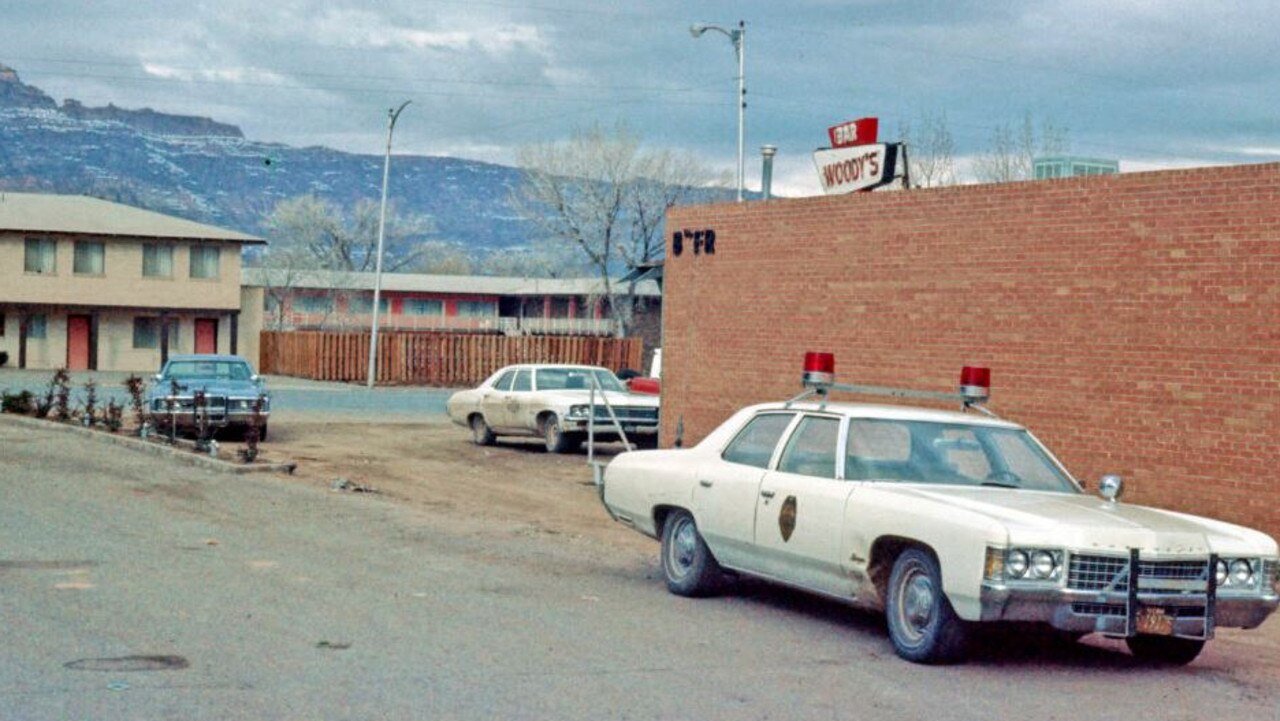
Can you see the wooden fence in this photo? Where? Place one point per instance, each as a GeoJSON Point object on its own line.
{"type": "Point", "coordinates": [439, 359]}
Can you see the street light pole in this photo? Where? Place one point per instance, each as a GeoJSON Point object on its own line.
{"type": "Point", "coordinates": [738, 37]}
{"type": "Point", "coordinates": [392, 115]}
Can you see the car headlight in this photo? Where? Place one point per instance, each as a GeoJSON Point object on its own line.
{"type": "Point", "coordinates": [578, 411]}
{"type": "Point", "coordinates": [1240, 574]}
{"type": "Point", "coordinates": [1042, 564]}
{"type": "Point", "coordinates": [1016, 565]}
{"type": "Point", "coordinates": [1028, 564]}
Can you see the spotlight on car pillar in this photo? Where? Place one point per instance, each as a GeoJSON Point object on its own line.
{"type": "Point", "coordinates": [819, 369]}
{"type": "Point", "coordinates": [975, 384]}
{"type": "Point", "coordinates": [1111, 487]}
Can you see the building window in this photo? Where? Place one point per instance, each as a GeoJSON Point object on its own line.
{"type": "Point", "coordinates": [312, 304]}
{"type": "Point", "coordinates": [41, 256]}
{"type": "Point", "coordinates": [37, 326]}
{"type": "Point", "coordinates": [417, 306]}
{"type": "Point", "coordinates": [204, 261]}
{"type": "Point", "coordinates": [146, 332]}
{"type": "Point", "coordinates": [157, 261]}
{"type": "Point", "coordinates": [88, 258]}
{"type": "Point", "coordinates": [364, 304]}
{"type": "Point", "coordinates": [477, 308]}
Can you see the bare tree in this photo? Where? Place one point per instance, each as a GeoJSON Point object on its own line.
{"type": "Point", "coordinates": [325, 237]}
{"type": "Point", "coordinates": [930, 150]}
{"type": "Point", "coordinates": [605, 196]}
{"type": "Point", "coordinates": [311, 234]}
{"type": "Point", "coordinates": [541, 259]}
{"type": "Point", "coordinates": [439, 258]}
{"type": "Point", "coordinates": [1013, 150]}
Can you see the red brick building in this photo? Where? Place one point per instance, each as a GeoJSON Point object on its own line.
{"type": "Point", "coordinates": [1132, 321]}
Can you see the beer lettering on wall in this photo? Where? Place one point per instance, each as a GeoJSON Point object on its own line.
{"type": "Point", "coordinates": [856, 167]}
{"type": "Point", "coordinates": [700, 242]}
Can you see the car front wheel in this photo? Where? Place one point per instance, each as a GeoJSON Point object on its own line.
{"type": "Point", "coordinates": [923, 626]}
{"type": "Point", "coordinates": [1164, 650]}
{"type": "Point", "coordinates": [556, 439]}
{"type": "Point", "coordinates": [687, 563]}
{"type": "Point", "coordinates": [481, 433]}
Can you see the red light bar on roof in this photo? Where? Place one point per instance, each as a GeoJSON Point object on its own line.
{"type": "Point", "coordinates": [819, 369]}
{"type": "Point", "coordinates": [975, 383]}
{"type": "Point", "coordinates": [820, 378]}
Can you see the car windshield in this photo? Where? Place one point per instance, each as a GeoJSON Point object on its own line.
{"type": "Point", "coordinates": [950, 454]}
{"type": "Point", "coordinates": [558, 379]}
{"type": "Point", "coordinates": [216, 370]}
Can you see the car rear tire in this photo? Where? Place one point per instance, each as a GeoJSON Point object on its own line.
{"type": "Point", "coordinates": [481, 433]}
{"type": "Point", "coordinates": [687, 563]}
{"type": "Point", "coordinates": [1164, 650]}
{"type": "Point", "coordinates": [262, 432]}
{"type": "Point", "coordinates": [923, 626]}
{"type": "Point", "coordinates": [556, 439]}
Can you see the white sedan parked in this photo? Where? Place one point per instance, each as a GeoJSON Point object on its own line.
{"type": "Point", "coordinates": [553, 402]}
{"type": "Point", "coordinates": [940, 519]}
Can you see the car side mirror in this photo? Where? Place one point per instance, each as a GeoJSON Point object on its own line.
{"type": "Point", "coordinates": [157, 377]}
{"type": "Point", "coordinates": [254, 378]}
{"type": "Point", "coordinates": [1111, 487]}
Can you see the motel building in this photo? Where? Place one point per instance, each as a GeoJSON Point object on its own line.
{"type": "Point", "coordinates": [342, 301]}
{"type": "Point", "coordinates": [89, 284]}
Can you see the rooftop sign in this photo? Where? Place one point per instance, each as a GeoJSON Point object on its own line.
{"type": "Point", "coordinates": [856, 167]}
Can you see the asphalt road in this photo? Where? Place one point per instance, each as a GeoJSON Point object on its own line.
{"type": "Point", "coordinates": [264, 599]}
{"type": "Point", "coordinates": [288, 395]}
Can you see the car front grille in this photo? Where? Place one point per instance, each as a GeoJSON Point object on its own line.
{"type": "Point", "coordinates": [628, 414]}
{"type": "Point", "coordinates": [1099, 573]}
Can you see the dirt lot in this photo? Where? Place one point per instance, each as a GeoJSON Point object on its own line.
{"type": "Point", "coordinates": [514, 486]}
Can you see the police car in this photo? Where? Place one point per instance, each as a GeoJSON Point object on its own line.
{"type": "Point", "coordinates": [940, 519]}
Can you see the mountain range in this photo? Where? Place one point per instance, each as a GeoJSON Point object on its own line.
{"type": "Point", "coordinates": [207, 171]}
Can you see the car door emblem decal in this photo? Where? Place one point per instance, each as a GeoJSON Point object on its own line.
{"type": "Point", "coordinates": [787, 518]}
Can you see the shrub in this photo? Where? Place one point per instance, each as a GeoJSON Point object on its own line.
{"type": "Point", "coordinates": [115, 415]}
{"type": "Point", "coordinates": [23, 402]}
{"type": "Point", "coordinates": [60, 387]}
{"type": "Point", "coordinates": [136, 386]}
{"type": "Point", "coordinates": [90, 403]}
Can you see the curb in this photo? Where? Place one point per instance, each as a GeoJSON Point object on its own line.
{"type": "Point", "coordinates": [155, 449]}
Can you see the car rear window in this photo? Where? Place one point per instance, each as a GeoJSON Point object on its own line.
{"type": "Point", "coordinates": [755, 443]}
{"type": "Point", "coordinates": [811, 450]}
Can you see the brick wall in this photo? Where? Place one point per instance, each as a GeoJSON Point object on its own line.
{"type": "Point", "coordinates": [1131, 321]}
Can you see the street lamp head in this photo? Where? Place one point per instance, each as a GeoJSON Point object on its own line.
{"type": "Point", "coordinates": [697, 29]}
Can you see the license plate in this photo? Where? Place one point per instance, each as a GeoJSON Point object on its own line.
{"type": "Point", "coordinates": [629, 428]}
{"type": "Point", "coordinates": [1155, 621]}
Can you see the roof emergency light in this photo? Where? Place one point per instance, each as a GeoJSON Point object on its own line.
{"type": "Point", "coordinates": [820, 378]}
{"type": "Point", "coordinates": [819, 369]}
{"type": "Point", "coordinates": [975, 384]}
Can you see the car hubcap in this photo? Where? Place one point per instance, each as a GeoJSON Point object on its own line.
{"type": "Point", "coordinates": [917, 603]}
{"type": "Point", "coordinates": [684, 546]}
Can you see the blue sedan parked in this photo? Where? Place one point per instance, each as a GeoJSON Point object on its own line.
{"type": "Point", "coordinates": [230, 388]}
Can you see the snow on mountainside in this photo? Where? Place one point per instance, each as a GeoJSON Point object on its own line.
{"type": "Point", "coordinates": [207, 171]}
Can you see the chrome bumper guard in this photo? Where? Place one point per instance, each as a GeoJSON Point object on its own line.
{"type": "Point", "coordinates": [1151, 601]}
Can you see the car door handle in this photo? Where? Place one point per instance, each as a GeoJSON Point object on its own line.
{"type": "Point", "coordinates": [704, 483]}
{"type": "Point", "coordinates": [768, 494]}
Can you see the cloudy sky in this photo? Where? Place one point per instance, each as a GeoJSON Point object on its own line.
{"type": "Point", "coordinates": [1150, 83]}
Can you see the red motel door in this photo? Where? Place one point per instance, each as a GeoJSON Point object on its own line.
{"type": "Point", "coordinates": [206, 335]}
{"type": "Point", "coordinates": [78, 342]}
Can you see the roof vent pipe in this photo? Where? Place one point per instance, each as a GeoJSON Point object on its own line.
{"type": "Point", "coordinates": [766, 174]}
